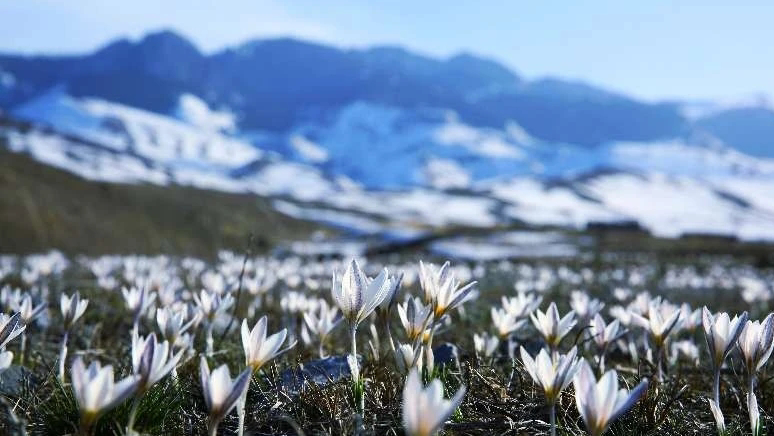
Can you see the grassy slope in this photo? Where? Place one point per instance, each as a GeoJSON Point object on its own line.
{"type": "Point", "coordinates": [43, 207]}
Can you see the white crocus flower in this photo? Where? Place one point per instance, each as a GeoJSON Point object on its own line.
{"type": "Point", "coordinates": [320, 323]}
{"type": "Point", "coordinates": [211, 305]}
{"type": "Point", "coordinates": [357, 296]}
{"type": "Point", "coordinates": [408, 356]}
{"type": "Point", "coordinates": [756, 343]}
{"type": "Point", "coordinates": [172, 323]}
{"type": "Point", "coordinates": [137, 301]}
{"type": "Point", "coordinates": [603, 335]}
{"type": "Point", "coordinates": [660, 323]}
{"type": "Point", "coordinates": [415, 317]}
{"type": "Point", "coordinates": [721, 334]}
{"type": "Point", "coordinates": [221, 394]}
{"type": "Point", "coordinates": [551, 326]}
{"type": "Point", "coordinates": [72, 309]}
{"type": "Point", "coordinates": [601, 402]}
{"type": "Point", "coordinates": [151, 361]}
{"type": "Point", "coordinates": [10, 327]}
{"type": "Point", "coordinates": [661, 320]}
{"type": "Point", "coordinates": [584, 306]}
{"type": "Point", "coordinates": [442, 289]}
{"type": "Point", "coordinates": [521, 305]}
{"type": "Point", "coordinates": [505, 323]}
{"type": "Point", "coordinates": [424, 409]}
{"type": "Point", "coordinates": [260, 349]}
{"type": "Point", "coordinates": [28, 311]}
{"type": "Point", "coordinates": [96, 391]}
{"type": "Point", "coordinates": [553, 375]}
{"type": "Point", "coordinates": [485, 344]}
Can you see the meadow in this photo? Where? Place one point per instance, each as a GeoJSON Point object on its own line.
{"type": "Point", "coordinates": [508, 342]}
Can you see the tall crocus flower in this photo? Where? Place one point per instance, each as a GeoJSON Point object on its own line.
{"type": "Point", "coordinates": [151, 361]}
{"type": "Point", "coordinates": [357, 296]}
{"type": "Point", "coordinates": [551, 326]}
{"type": "Point", "coordinates": [221, 394]}
{"type": "Point", "coordinates": [721, 333]}
{"type": "Point", "coordinates": [96, 392]}
{"type": "Point", "coordinates": [660, 322]}
{"type": "Point", "coordinates": [259, 350]}
{"type": "Point", "coordinates": [756, 343]}
{"type": "Point", "coordinates": [72, 308]}
{"type": "Point", "coordinates": [601, 402]}
{"type": "Point", "coordinates": [553, 375]}
{"type": "Point", "coordinates": [424, 409]}
{"type": "Point", "coordinates": [211, 305]}
{"type": "Point", "coordinates": [603, 335]}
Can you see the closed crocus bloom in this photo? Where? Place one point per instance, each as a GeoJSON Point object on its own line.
{"type": "Point", "coordinates": [424, 409]}
{"type": "Point", "coordinates": [551, 326]}
{"type": "Point", "coordinates": [356, 295]}
{"type": "Point", "coordinates": [10, 328]}
{"type": "Point", "coordinates": [221, 394]}
{"type": "Point", "coordinates": [601, 402]}
{"type": "Point", "coordinates": [415, 317]}
{"type": "Point", "coordinates": [72, 309]}
{"type": "Point", "coordinates": [260, 349]}
{"type": "Point", "coordinates": [96, 391]}
{"type": "Point", "coordinates": [721, 333]}
{"type": "Point", "coordinates": [756, 342]}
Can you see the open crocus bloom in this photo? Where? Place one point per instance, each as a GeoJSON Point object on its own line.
{"type": "Point", "coordinates": [95, 389]}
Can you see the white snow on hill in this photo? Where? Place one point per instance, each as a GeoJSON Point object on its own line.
{"type": "Point", "coordinates": [380, 170]}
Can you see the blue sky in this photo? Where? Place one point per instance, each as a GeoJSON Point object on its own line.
{"type": "Point", "coordinates": [695, 49]}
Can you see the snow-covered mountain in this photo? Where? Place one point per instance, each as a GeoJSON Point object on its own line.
{"type": "Point", "coordinates": [385, 142]}
{"type": "Point", "coordinates": [396, 173]}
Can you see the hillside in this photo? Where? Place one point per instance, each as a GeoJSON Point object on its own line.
{"type": "Point", "coordinates": [42, 207]}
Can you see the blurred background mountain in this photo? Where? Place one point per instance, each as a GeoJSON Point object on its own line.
{"type": "Point", "coordinates": [379, 142]}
